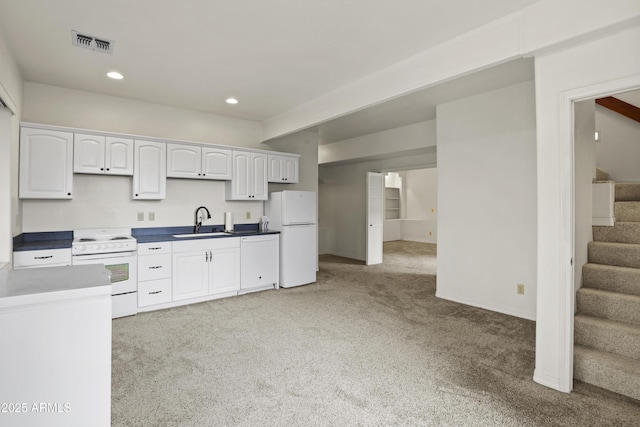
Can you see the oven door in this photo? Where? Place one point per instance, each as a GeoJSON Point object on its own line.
{"type": "Point", "coordinates": [122, 266]}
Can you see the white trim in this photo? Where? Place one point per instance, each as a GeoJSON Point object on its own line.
{"type": "Point", "coordinates": [546, 380]}
{"type": "Point", "coordinates": [490, 307]}
{"type": "Point", "coordinates": [6, 99]}
{"type": "Point", "coordinates": [603, 222]}
{"type": "Point", "coordinates": [567, 218]}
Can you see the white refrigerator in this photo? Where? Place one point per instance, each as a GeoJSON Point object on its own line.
{"type": "Point", "coordinates": [293, 214]}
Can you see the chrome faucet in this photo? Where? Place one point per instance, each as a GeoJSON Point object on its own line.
{"type": "Point", "coordinates": [198, 224]}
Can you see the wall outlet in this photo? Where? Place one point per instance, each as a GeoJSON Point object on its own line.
{"type": "Point", "coordinates": [248, 215]}
{"type": "Point", "coordinates": [520, 289]}
{"type": "Point", "coordinates": [152, 216]}
{"type": "Point", "coordinates": [140, 216]}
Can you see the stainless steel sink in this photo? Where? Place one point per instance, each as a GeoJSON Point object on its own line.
{"type": "Point", "coordinates": [217, 233]}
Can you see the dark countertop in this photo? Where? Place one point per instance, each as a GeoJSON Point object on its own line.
{"type": "Point", "coordinates": [63, 239]}
{"type": "Point", "coordinates": [165, 234]}
{"type": "Point", "coordinates": [43, 240]}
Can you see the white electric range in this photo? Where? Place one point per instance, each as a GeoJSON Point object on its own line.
{"type": "Point", "coordinates": [116, 249]}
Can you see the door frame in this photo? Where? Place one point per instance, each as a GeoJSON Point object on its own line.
{"type": "Point", "coordinates": [369, 225]}
{"type": "Point", "coordinates": [567, 212]}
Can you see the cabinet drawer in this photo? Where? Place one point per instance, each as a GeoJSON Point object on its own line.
{"type": "Point", "coordinates": [153, 267]}
{"type": "Point", "coordinates": [154, 248]}
{"type": "Point", "coordinates": [154, 292]}
{"type": "Point", "coordinates": [41, 258]}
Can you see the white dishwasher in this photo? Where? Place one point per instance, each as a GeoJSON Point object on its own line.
{"type": "Point", "coordinates": [259, 262]}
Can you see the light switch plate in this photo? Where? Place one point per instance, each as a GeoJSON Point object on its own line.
{"type": "Point", "coordinates": [140, 216]}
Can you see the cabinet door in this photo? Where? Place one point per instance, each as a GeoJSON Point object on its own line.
{"type": "Point", "coordinates": [275, 168]}
{"type": "Point", "coordinates": [88, 153]}
{"type": "Point", "coordinates": [118, 159]}
{"type": "Point", "coordinates": [46, 164]}
{"type": "Point", "coordinates": [238, 187]}
{"type": "Point", "coordinates": [224, 273]}
{"type": "Point", "coordinates": [290, 169]}
{"type": "Point", "coordinates": [150, 170]}
{"type": "Point", "coordinates": [183, 161]}
{"type": "Point", "coordinates": [216, 163]}
{"type": "Point", "coordinates": [190, 274]}
{"type": "Point", "coordinates": [259, 182]}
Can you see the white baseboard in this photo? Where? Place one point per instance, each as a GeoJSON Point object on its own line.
{"type": "Point", "coordinates": [344, 255]}
{"type": "Point", "coordinates": [490, 307]}
{"type": "Point", "coordinates": [547, 380]}
{"type": "Point", "coordinates": [603, 222]}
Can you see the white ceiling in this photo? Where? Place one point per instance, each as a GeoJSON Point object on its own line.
{"type": "Point", "coordinates": [272, 55]}
{"type": "Point", "coordinates": [421, 105]}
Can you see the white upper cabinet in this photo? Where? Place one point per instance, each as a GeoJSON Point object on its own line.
{"type": "Point", "coordinates": [184, 161]}
{"type": "Point", "coordinates": [46, 164]}
{"type": "Point", "coordinates": [198, 162]}
{"type": "Point", "coordinates": [150, 170]}
{"type": "Point", "coordinates": [98, 154]}
{"type": "Point", "coordinates": [249, 181]}
{"type": "Point", "coordinates": [216, 163]}
{"type": "Point", "coordinates": [283, 169]}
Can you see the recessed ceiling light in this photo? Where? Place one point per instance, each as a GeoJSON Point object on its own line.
{"type": "Point", "coordinates": [232, 101]}
{"type": "Point", "coordinates": [115, 75]}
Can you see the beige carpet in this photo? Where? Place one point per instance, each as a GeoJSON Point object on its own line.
{"type": "Point", "coordinates": [363, 346]}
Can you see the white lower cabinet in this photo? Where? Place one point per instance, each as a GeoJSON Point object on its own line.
{"type": "Point", "coordinates": [260, 262]}
{"type": "Point", "coordinates": [205, 267]}
{"type": "Point", "coordinates": [42, 258]}
{"type": "Point", "coordinates": [154, 273]}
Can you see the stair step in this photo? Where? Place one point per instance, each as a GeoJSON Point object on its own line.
{"type": "Point", "coordinates": [607, 335]}
{"type": "Point", "coordinates": [621, 232]}
{"type": "Point", "coordinates": [609, 371]}
{"type": "Point", "coordinates": [611, 278]}
{"type": "Point", "coordinates": [627, 192]}
{"type": "Point", "coordinates": [620, 254]}
{"type": "Point", "coordinates": [609, 305]}
{"type": "Point", "coordinates": [627, 211]}
{"type": "Point", "coordinates": [601, 175]}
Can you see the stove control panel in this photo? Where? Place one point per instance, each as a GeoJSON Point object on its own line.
{"type": "Point", "coordinates": [88, 248]}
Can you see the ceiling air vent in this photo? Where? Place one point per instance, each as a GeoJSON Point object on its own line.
{"type": "Point", "coordinates": [90, 42]}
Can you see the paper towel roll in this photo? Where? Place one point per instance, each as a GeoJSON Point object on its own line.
{"type": "Point", "coordinates": [228, 221]}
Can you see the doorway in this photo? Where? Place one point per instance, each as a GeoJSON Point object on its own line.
{"type": "Point", "coordinates": [411, 205]}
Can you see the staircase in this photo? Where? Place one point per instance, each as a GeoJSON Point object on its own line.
{"type": "Point", "coordinates": [607, 323]}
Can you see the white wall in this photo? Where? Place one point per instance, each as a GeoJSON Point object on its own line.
{"type": "Point", "coordinates": [421, 219]}
{"type": "Point", "coordinates": [106, 201]}
{"type": "Point", "coordinates": [342, 202]}
{"type": "Point", "coordinates": [388, 142]}
{"type": "Point", "coordinates": [618, 151]}
{"type": "Point", "coordinates": [585, 167]}
{"type": "Point", "coordinates": [11, 89]}
{"type": "Point", "coordinates": [590, 69]}
{"type": "Point", "coordinates": [487, 200]}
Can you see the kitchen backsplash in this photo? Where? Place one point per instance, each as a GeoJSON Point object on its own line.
{"type": "Point", "coordinates": [106, 202]}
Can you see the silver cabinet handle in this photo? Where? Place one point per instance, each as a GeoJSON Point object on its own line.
{"type": "Point", "coordinates": [153, 293]}
{"type": "Point", "coordinates": [155, 267]}
{"type": "Point", "coordinates": [155, 249]}
{"type": "Point", "coordinates": [43, 257]}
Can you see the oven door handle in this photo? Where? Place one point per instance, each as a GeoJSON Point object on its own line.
{"type": "Point", "coordinates": [107, 256]}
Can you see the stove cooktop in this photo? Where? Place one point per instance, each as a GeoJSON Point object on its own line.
{"type": "Point", "coordinates": [102, 241]}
